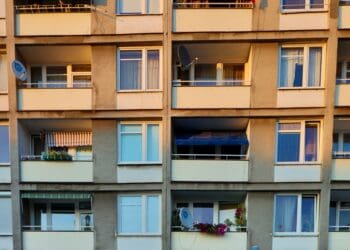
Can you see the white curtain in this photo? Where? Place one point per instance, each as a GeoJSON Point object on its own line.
{"type": "Point", "coordinates": [153, 69]}
{"type": "Point", "coordinates": [315, 59]}
{"type": "Point", "coordinates": [286, 213]}
{"type": "Point", "coordinates": [291, 71]}
{"type": "Point", "coordinates": [130, 69]}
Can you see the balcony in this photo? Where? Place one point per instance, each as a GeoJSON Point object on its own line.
{"type": "Point", "coordinates": [2, 18]}
{"type": "Point", "coordinates": [344, 14]}
{"type": "Point", "coordinates": [37, 19]}
{"type": "Point", "coordinates": [341, 150]}
{"type": "Point", "coordinates": [295, 242]}
{"type": "Point", "coordinates": [212, 15]}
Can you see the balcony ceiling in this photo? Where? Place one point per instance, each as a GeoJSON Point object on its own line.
{"type": "Point", "coordinates": [37, 125]}
{"type": "Point", "coordinates": [341, 125]}
{"type": "Point", "coordinates": [195, 195]}
{"type": "Point", "coordinates": [340, 195]}
{"type": "Point", "coordinates": [208, 124]}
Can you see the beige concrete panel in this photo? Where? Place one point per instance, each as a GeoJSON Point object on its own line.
{"type": "Point", "coordinates": [342, 95]}
{"type": "Point", "coordinates": [262, 155]}
{"type": "Point", "coordinates": [4, 102]}
{"type": "Point", "coordinates": [139, 100]}
{"type": "Point", "coordinates": [304, 21]}
{"type": "Point", "coordinates": [264, 75]}
{"type": "Point", "coordinates": [260, 219]}
{"type": "Point", "coordinates": [54, 99]}
{"type": "Point", "coordinates": [341, 170]}
{"type": "Point", "coordinates": [197, 20]}
{"type": "Point", "coordinates": [338, 240]}
{"type": "Point", "coordinates": [103, 17]}
{"type": "Point", "coordinates": [2, 8]}
{"type": "Point", "coordinates": [139, 24]}
{"type": "Point", "coordinates": [104, 209]}
{"type": "Point", "coordinates": [139, 174]}
{"type": "Point", "coordinates": [42, 24]}
{"type": "Point", "coordinates": [104, 141]}
{"type": "Point", "coordinates": [6, 242]}
{"type": "Point", "coordinates": [294, 242]}
{"type": "Point", "coordinates": [287, 98]}
{"type": "Point", "coordinates": [344, 17]}
{"type": "Point", "coordinates": [104, 76]}
{"type": "Point", "coordinates": [138, 243]}
{"type": "Point", "coordinates": [5, 174]}
{"type": "Point", "coordinates": [2, 27]}
{"type": "Point", "coordinates": [266, 17]}
{"type": "Point", "coordinates": [297, 173]}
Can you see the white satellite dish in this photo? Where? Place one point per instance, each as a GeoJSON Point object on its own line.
{"type": "Point", "coordinates": [186, 217]}
{"type": "Point", "coordinates": [19, 70]}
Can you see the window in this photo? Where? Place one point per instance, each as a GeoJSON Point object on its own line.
{"type": "Point", "coordinates": [302, 4]}
{"type": "Point", "coordinates": [339, 219]}
{"type": "Point", "coordinates": [341, 145]}
{"type": "Point", "coordinates": [139, 214]}
{"type": "Point", "coordinates": [295, 213]}
{"type": "Point", "coordinates": [6, 214]}
{"type": "Point", "coordinates": [139, 143]}
{"type": "Point", "coordinates": [139, 69]}
{"type": "Point", "coordinates": [4, 145]}
{"type": "Point", "coordinates": [3, 72]}
{"type": "Point", "coordinates": [298, 141]}
{"type": "Point", "coordinates": [139, 7]}
{"type": "Point", "coordinates": [300, 66]}
{"type": "Point", "coordinates": [343, 72]}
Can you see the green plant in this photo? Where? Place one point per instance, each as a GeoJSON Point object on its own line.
{"type": "Point", "coordinates": [240, 216]}
{"type": "Point", "coordinates": [56, 156]}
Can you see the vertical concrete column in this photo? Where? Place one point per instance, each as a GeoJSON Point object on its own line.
{"type": "Point", "coordinates": [103, 19]}
{"type": "Point", "coordinates": [266, 15]}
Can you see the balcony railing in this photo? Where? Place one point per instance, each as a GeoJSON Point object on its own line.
{"type": "Point", "coordinates": [343, 81]}
{"type": "Point", "coordinates": [56, 228]}
{"type": "Point", "coordinates": [339, 228]}
{"type": "Point", "coordinates": [209, 157]}
{"type": "Point", "coordinates": [208, 83]}
{"type": "Point", "coordinates": [241, 4]}
{"type": "Point", "coordinates": [55, 85]}
{"type": "Point", "coordinates": [40, 158]}
{"type": "Point", "coordinates": [344, 3]}
{"type": "Point", "coordinates": [40, 8]}
{"type": "Point", "coordinates": [341, 155]}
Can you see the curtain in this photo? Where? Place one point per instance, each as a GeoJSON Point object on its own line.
{"type": "Point", "coordinates": [288, 147]}
{"type": "Point", "coordinates": [286, 213]}
{"type": "Point", "coordinates": [316, 4]}
{"type": "Point", "coordinates": [307, 214]}
{"type": "Point", "coordinates": [315, 58]}
{"type": "Point", "coordinates": [130, 214]}
{"type": "Point", "coordinates": [153, 69]}
{"type": "Point", "coordinates": [291, 71]}
{"type": "Point", "coordinates": [152, 142]}
{"type": "Point", "coordinates": [130, 69]}
{"type": "Point", "coordinates": [311, 142]}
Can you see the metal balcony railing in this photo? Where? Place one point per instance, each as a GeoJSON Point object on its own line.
{"type": "Point", "coordinates": [209, 83]}
{"type": "Point", "coordinates": [339, 228]}
{"type": "Point", "coordinates": [238, 4]}
{"type": "Point", "coordinates": [341, 155]}
{"type": "Point", "coordinates": [45, 228]}
{"type": "Point", "coordinates": [343, 80]}
{"type": "Point", "coordinates": [55, 85]}
{"type": "Point", "coordinates": [45, 8]}
{"type": "Point", "coordinates": [209, 157]}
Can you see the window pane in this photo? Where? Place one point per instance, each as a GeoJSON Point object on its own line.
{"type": "Point", "coordinates": [316, 4]}
{"type": "Point", "coordinates": [40, 216]}
{"type": "Point", "coordinates": [289, 126]}
{"type": "Point", "coordinates": [308, 214]}
{"type": "Point", "coordinates": [5, 216]}
{"type": "Point", "coordinates": [81, 68]}
{"type": "Point", "coordinates": [335, 143]}
{"type": "Point", "coordinates": [130, 6]}
{"type": "Point", "coordinates": [286, 213]}
{"type": "Point", "coordinates": [291, 72]}
{"type": "Point", "coordinates": [293, 4]}
{"type": "Point", "coordinates": [152, 211]}
{"type": "Point", "coordinates": [153, 69]}
{"type": "Point", "coordinates": [4, 144]}
{"type": "Point", "coordinates": [152, 142]}
{"type": "Point", "coordinates": [130, 214]}
{"type": "Point", "coordinates": [315, 59]}
{"type": "Point", "coordinates": [205, 72]}
{"type": "Point", "coordinates": [153, 6]}
{"type": "Point", "coordinates": [130, 70]}
{"type": "Point", "coordinates": [56, 70]}
{"type": "Point", "coordinates": [132, 128]}
{"type": "Point", "coordinates": [234, 72]}
{"type": "Point", "coordinates": [344, 218]}
{"type": "Point", "coordinates": [332, 216]}
{"type": "Point", "coordinates": [131, 147]}
{"type": "Point", "coordinates": [346, 142]}
{"type": "Point", "coordinates": [288, 147]}
{"type": "Point", "coordinates": [203, 212]}
{"type": "Point", "coordinates": [62, 216]}
{"type": "Point", "coordinates": [311, 141]}
{"type": "Point", "coordinates": [36, 75]}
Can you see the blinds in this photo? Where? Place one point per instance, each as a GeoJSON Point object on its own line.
{"type": "Point", "coordinates": [68, 139]}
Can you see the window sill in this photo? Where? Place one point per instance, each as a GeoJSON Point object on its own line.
{"type": "Point", "coordinates": [297, 163]}
{"type": "Point", "coordinates": [5, 165]}
{"type": "Point", "coordinates": [137, 164]}
{"type": "Point", "coordinates": [137, 235]}
{"type": "Point", "coordinates": [139, 14]}
{"type": "Point", "coordinates": [300, 88]}
{"type": "Point", "coordinates": [299, 11]}
{"type": "Point", "coordinates": [140, 91]}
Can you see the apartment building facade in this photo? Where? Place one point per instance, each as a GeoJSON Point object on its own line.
{"type": "Point", "coordinates": [131, 111]}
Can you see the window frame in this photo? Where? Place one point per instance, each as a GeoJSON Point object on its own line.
{"type": "Point", "coordinates": [144, 161]}
{"type": "Point", "coordinates": [306, 9]}
{"type": "Point", "coordinates": [338, 209]}
{"type": "Point", "coordinates": [143, 69]}
{"type": "Point", "coordinates": [144, 197]}
{"type": "Point", "coordinates": [306, 49]}
{"type": "Point", "coordinates": [299, 214]}
{"type": "Point", "coordinates": [301, 143]}
{"type": "Point", "coordinates": [5, 124]}
{"type": "Point", "coordinates": [143, 9]}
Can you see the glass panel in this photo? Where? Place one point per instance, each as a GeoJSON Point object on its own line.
{"type": "Point", "coordinates": [181, 204]}
{"type": "Point", "coordinates": [85, 205]}
{"type": "Point", "coordinates": [130, 69]}
{"type": "Point", "coordinates": [86, 221]}
{"type": "Point", "coordinates": [40, 216]}
{"type": "Point", "coordinates": [293, 4]}
{"type": "Point", "coordinates": [314, 72]}
{"type": "Point", "coordinates": [130, 214]}
{"type": "Point", "coordinates": [81, 68]}
{"type": "Point", "coordinates": [335, 143]}
{"type": "Point", "coordinates": [130, 6]}
{"type": "Point", "coordinates": [205, 72]}
{"type": "Point", "coordinates": [63, 216]}
{"type": "Point", "coordinates": [291, 71]}
{"type": "Point", "coordinates": [4, 144]}
{"type": "Point", "coordinates": [81, 79]}
{"type": "Point", "coordinates": [131, 147]}
{"type": "Point", "coordinates": [344, 219]}
{"type": "Point", "coordinates": [332, 216]}
{"type": "Point", "coordinates": [311, 142]}
{"type": "Point", "coordinates": [234, 72]}
{"type": "Point", "coordinates": [345, 204]}
{"type": "Point", "coordinates": [227, 212]}
{"type": "Point", "coordinates": [56, 70]}
{"type": "Point", "coordinates": [152, 216]}
{"type": "Point", "coordinates": [286, 213]}
{"type": "Point", "coordinates": [153, 7]}
{"type": "Point", "coordinates": [131, 128]}
{"type": "Point", "coordinates": [346, 143]}
{"type": "Point", "coordinates": [316, 4]}
{"type": "Point", "coordinates": [152, 142]}
{"type": "Point", "coordinates": [308, 214]}
{"type": "Point", "coordinates": [56, 74]}
{"type": "Point", "coordinates": [203, 212]}
{"type": "Point", "coordinates": [153, 69]}
{"type": "Point", "coordinates": [36, 75]}
{"type": "Point", "coordinates": [288, 147]}
{"type": "Point", "coordinates": [289, 126]}
{"type": "Point", "coordinates": [5, 216]}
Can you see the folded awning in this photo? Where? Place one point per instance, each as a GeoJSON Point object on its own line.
{"type": "Point", "coordinates": [68, 139]}
{"type": "Point", "coordinates": [212, 139]}
{"type": "Point", "coordinates": [56, 196]}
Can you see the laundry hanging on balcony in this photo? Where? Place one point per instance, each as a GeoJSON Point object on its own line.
{"type": "Point", "coordinates": [68, 139]}
{"type": "Point", "coordinates": [209, 138]}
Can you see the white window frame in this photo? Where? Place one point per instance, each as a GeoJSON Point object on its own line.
{"type": "Point", "coordinates": [144, 69]}
{"type": "Point", "coordinates": [338, 209]}
{"type": "Point", "coordinates": [144, 5]}
{"type": "Point", "coordinates": [9, 144]}
{"type": "Point", "coordinates": [306, 49]}
{"type": "Point", "coordinates": [345, 68]}
{"type": "Point", "coordinates": [143, 214]}
{"type": "Point", "coordinates": [144, 143]}
{"type": "Point", "coordinates": [302, 142]}
{"type": "Point", "coordinates": [299, 211]}
{"type": "Point", "coordinates": [306, 9]}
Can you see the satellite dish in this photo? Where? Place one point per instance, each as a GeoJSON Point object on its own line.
{"type": "Point", "coordinates": [184, 58]}
{"type": "Point", "coordinates": [186, 217]}
{"type": "Point", "coordinates": [19, 70]}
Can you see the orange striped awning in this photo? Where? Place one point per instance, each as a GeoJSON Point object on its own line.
{"type": "Point", "coordinates": [68, 139]}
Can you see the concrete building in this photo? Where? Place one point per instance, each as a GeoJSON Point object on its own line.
{"type": "Point", "coordinates": [238, 110]}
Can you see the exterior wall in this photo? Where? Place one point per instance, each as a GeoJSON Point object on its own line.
{"type": "Point", "coordinates": [292, 243]}
{"type": "Point", "coordinates": [139, 100]}
{"type": "Point", "coordinates": [104, 141]}
{"type": "Point", "coordinates": [338, 241]}
{"type": "Point", "coordinates": [211, 97]}
{"type": "Point", "coordinates": [138, 243]}
{"type": "Point", "coordinates": [4, 102]}
{"type": "Point", "coordinates": [139, 24]}
{"type": "Point", "coordinates": [40, 24]}
{"type": "Point", "coordinates": [300, 98]}
{"type": "Point", "coordinates": [54, 99]}
{"type": "Point", "coordinates": [5, 174]}
{"type": "Point", "coordinates": [344, 17]}
{"type": "Point", "coordinates": [341, 170]}
{"type": "Point", "coordinates": [6, 243]}
{"type": "Point", "coordinates": [199, 241]}
{"type": "Point", "coordinates": [262, 10]}
{"type": "Point", "coordinates": [2, 18]}
{"type": "Point", "coordinates": [304, 21]}
{"type": "Point", "coordinates": [297, 173]}
{"type": "Point", "coordinates": [342, 94]}
{"type": "Point", "coordinates": [139, 174]}
{"type": "Point", "coordinates": [209, 170]}
{"type": "Point", "coordinates": [196, 20]}
{"type": "Point", "coordinates": [2, 27]}
{"type": "Point", "coordinates": [55, 171]}
{"type": "Point", "coordinates": [58, 240]}
{"type": "Point", "coordinates": [102, 19]}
